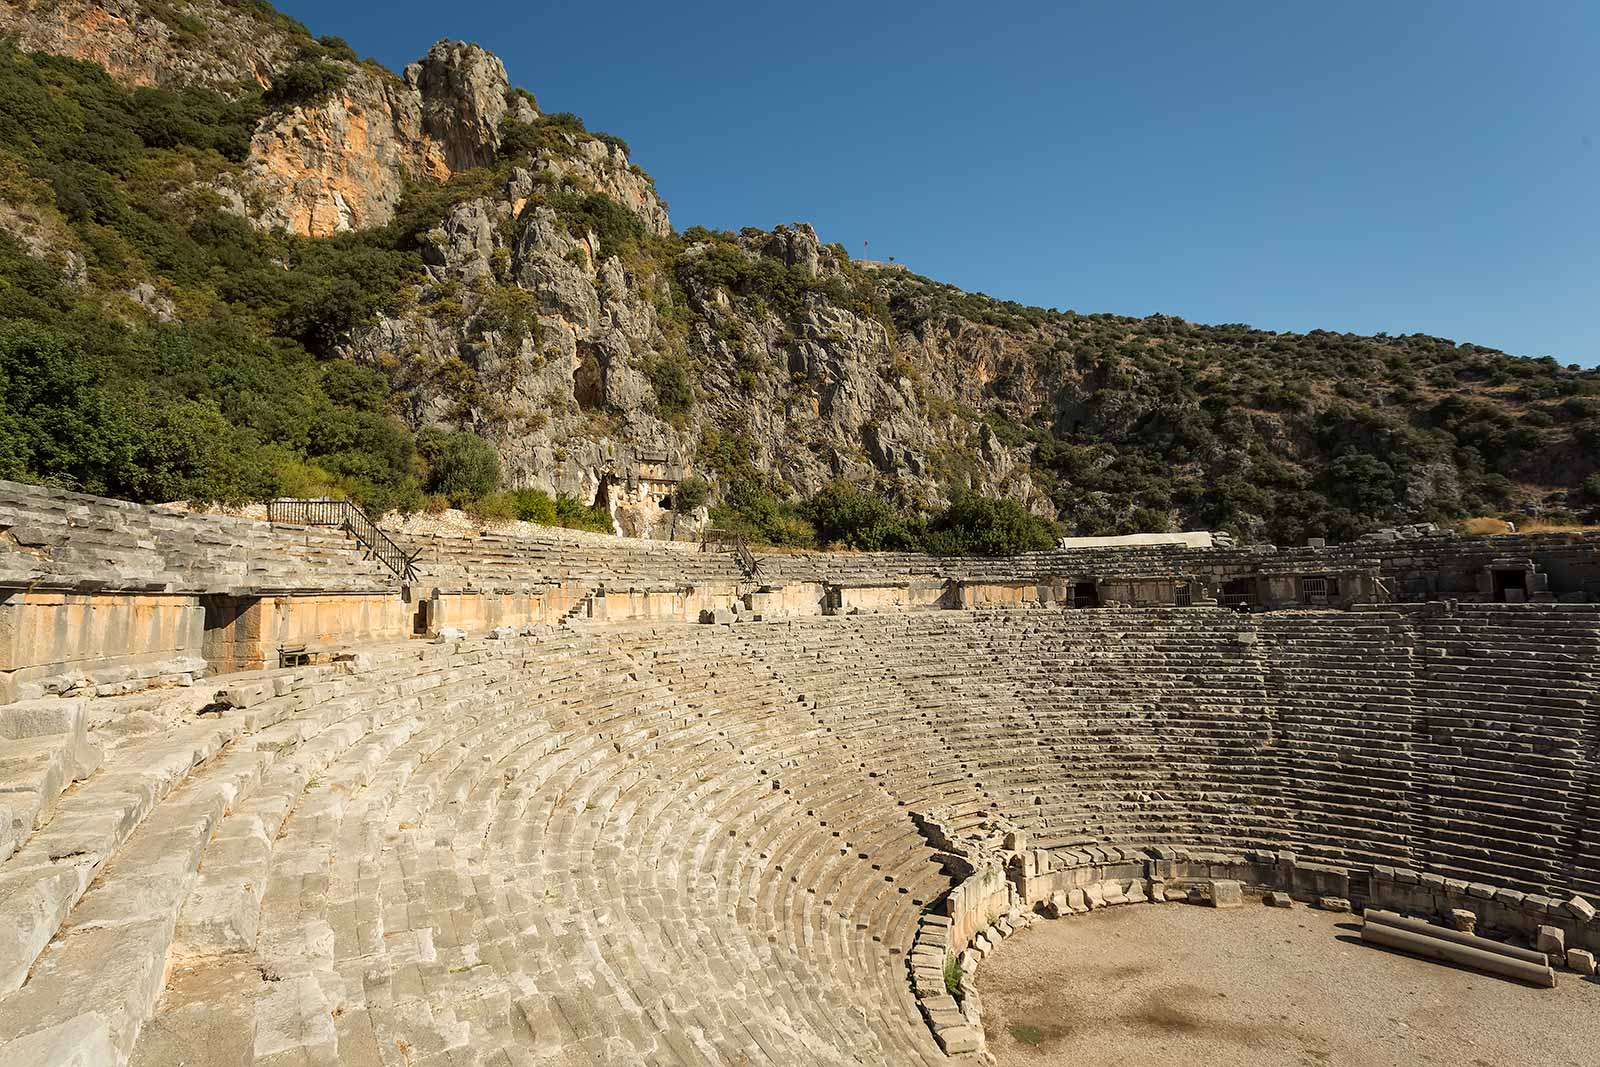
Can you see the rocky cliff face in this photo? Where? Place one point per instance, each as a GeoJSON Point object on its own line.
{"type": "Point", "coordinates": [573, 399]}
{"type": "Point", "coordinates": [338, 164]}
{"type": "Point", "coordinates": [206, 45]}
{"type": "Point", "coordinates": [342, 164]}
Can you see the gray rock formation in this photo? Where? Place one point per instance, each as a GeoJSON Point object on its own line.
{"type": "Point", "coordinates": [465, 93]}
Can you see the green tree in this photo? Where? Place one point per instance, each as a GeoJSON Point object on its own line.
{"type": "Point", "coordinates": [462, 466]}
{"type": "Point", "coordinates": [984, 526]}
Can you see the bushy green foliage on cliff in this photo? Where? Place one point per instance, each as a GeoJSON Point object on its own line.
{"type": "Point", "coordinates": [307, 81]}
{"type": "Point", "coordinates": [843, 514]}
{"type": "Point", "coordinates": [1135, 424]}
{"type": "Point", "coordinates": [231, 400]}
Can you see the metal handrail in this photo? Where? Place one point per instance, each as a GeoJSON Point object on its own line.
{"type": "Point", "coordinates": [726, 540]}
{"type": "Point", "coordinates": [357, 523]}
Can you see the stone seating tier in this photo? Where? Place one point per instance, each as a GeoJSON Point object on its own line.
{"type": "Point", "coordinates": [662, 843]}
{"type": "Point", "coordinates": [51, 539]}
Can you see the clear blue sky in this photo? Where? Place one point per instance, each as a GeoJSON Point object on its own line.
{"type": "Point", "coordinates": [1416, 166]}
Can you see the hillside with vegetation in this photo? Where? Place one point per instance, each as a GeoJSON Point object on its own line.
{"type": "Point", "coordinates": [237, 262]}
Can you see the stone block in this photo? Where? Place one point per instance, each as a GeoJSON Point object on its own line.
{"type": "Point", "coordinates": [955, 1040]}
{"type": "Point", "coordinates": [84, 1041]}
{"type": "Point", "coordinates": [1581, 910]}
{"type": "Point", "coordinates": [1581, 960]}
{"type": "Point", "coordinates": [1462, 919]}
{"type": "Point", "coordinates": [1552, 941]}
{"type": "Point", "coordinates": [1337, 904]}
{"type": "Point", "coordinates": [1279, 900]}
{"type": "Point", "coordinates": [1226, 893]}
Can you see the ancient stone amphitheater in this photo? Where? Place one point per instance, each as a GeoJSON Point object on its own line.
{"type": "Point", "coordinates": [264, 800]}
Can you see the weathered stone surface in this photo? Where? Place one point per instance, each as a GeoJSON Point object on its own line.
{"type": "Point", "coordinates": [1552, 941]}
{"type": "Point", "coordinates": [1225, 893]}
{"type": "Point", "coordinates": [83, 1041]}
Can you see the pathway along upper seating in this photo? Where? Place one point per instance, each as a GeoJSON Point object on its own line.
{"type": "Point", "coordinates": [667, 843]}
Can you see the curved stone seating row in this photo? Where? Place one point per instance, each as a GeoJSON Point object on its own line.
{"type": "Point", "coordinates": [59, 540]}
{"type": "Point", "coordinates": [554, 854]}
{"type": "Point", "coordinates": [520, 563]}
{"type": "Point", "coordinates": [1340, 736]}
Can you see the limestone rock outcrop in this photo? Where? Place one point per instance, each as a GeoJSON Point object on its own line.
{"type": "Point", "coordinates": [343, 163]}
{"type": "Point", "coordinates": [464, 94]}
{"type": "Point", "coordinates": [209, 45]}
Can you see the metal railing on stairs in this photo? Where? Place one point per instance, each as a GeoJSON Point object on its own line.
{"type": "Point", "coordinates": [351, 519]}
{"type": "Point", "coordinates": [727, 541]}
{"type": "Point", "coordinates": [747, 560]}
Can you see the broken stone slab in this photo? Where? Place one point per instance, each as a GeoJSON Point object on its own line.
{"type": "Point", "coordinates": [1462, 919]}
{"type": "Point", "coordinates": [222, 915]}
{"type": "Point", "coordinates": [955, 1040]}
{"type": "Point", "coordinates": [1581, 910]}
{"type": "Point", "coordinates": [1337, 904]}
{"type": "Point", "coordinates": [1225, 893]}
{"type": "Point", "coordinates": [1278, 899]}
{"type": "Point", "coordinates": [1552, 941]}
{"type": "Point", "coordinates": [449, 633]}
{"type": "Point", "coordinates": [1077, 901]}
{"type": "Point", "coordinates": [502, 633]}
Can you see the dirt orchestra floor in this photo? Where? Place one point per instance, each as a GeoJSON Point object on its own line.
{"type": "Point", "coordinates": [1262, 987]}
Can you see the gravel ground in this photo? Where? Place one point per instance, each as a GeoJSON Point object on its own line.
{"type": "Point", "coordinates": [1260, 987]}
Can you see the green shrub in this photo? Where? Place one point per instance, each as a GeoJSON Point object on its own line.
{"type": "Point", "coordinates": [977, 525]}
{"type": "Point", "coordinates": [575, 514]}
{"type": "Point", "coordinates": [462, 466]}
{"type": "Point", "coordinates": [952, 976]}
{"type": "Point", "coordinates": [493, 508]}
{"type": "Point", "coordinates": [305, 83]}
{"type": "Point", "coordinates": [533, 505]}
{"type": "Point", "coordinates": [845, 515]}
{"type": "Point", "coordinates": [690, 494]}
{"type": "Point", "coordinates": [673, 388]}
